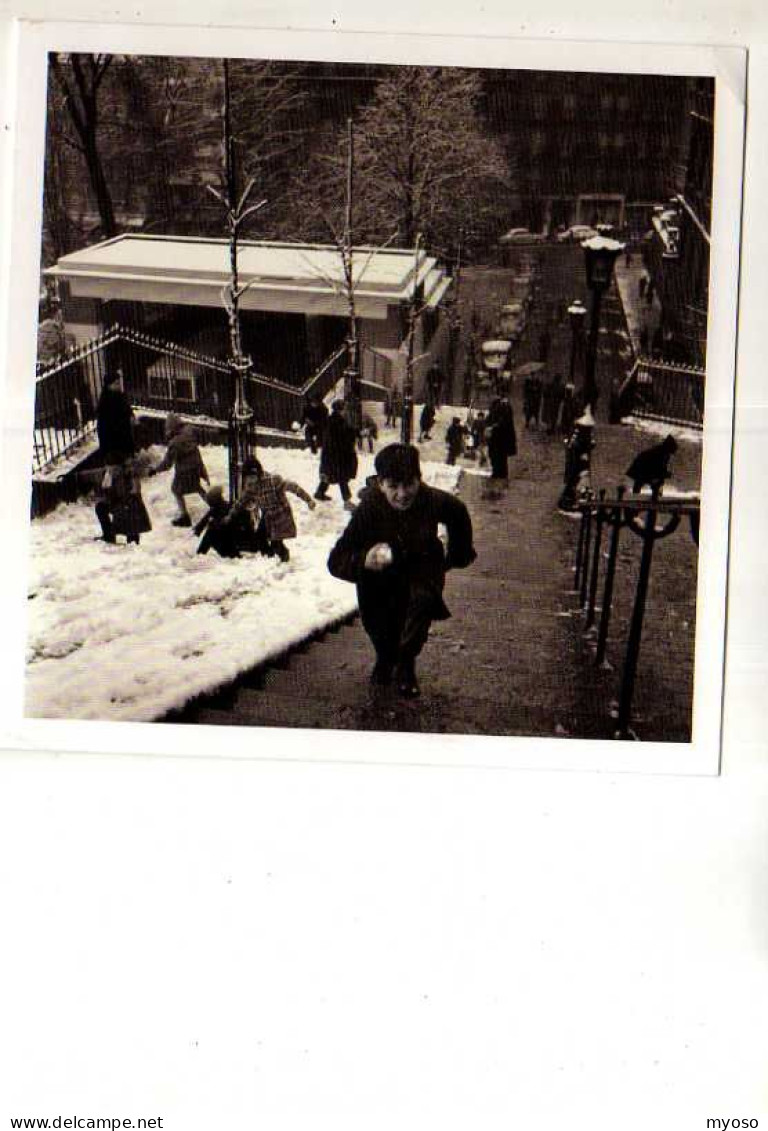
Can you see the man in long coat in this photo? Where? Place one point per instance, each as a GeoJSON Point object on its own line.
{"type": "Point", "coordinates": [338, 460]}
{"type": "Point", "coordinates": [114, 419]}
{"type": "Point", "coordinates": [502, 438]}
{"type": "Point", "coordinates": [392, 553]}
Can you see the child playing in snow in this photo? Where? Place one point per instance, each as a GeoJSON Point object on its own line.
{"type": "Point", "coordinates": [183, 455]}
{"type": "Point", "coordinates": [219, 535]}
{"type": "Point", "coordinates": [119, 508]}
{"type": "Point", "coordinates": [266, 493]}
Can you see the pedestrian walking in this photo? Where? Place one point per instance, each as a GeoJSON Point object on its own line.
{"type": "Point", "coordinates": [479, 425]}
{"type": "Point", "coordinates": [392, 553]}
{"type": "Point", "coordinates": [552, 399]}
{"type": "Point", "coordinates": [183, 454]}
{"type": "Point", "coordinates": [570, 409]}
{"type": "Point", "coordinates": [435, 384]}
{"type": "Point", "coordinates": [454, 438]}
{"type": "Point", "coordinates": [502, 438]}
{"type": "Point", "coordinates": [532, 395]}
{"type": "Point", "coordinates": [426, 421]}
{"type": "Point", "coordinates": [651, 467]}
{"type": "Point", "coordinates": [120, 507]}
{"type": "Point", "coordinates": [338, 459]}
{"type": "Point", "coordinates": [266, 494]}
{"type": "Point", "coordinates": [314, 418]}
{"type": "Point", "coordinates": [389, 410]}
{"type": "Point", "coordinates": [115, 419]}
{"type": "Point", "coordinates": [368, 432]}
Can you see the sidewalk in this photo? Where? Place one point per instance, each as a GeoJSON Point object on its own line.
{"type": "Point", "coordinates": [636, 310]}
{"type": "Point", "coordinates": [513, 659]}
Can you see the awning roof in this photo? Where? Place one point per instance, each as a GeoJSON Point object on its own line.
{"type": "Point", "coordinates": [290, 277]}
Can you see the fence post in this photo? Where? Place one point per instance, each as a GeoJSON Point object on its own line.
{"type": "Point", "coordinates": [599, 520]}
{"type": "Point", "coordinates": [580, 550]}
{"type": "Point", "coordinates": [649, 534]}
{"type": "Point", "coordinates": [610, 574]}
{"type": "Point", "coordinates": [585, 558]}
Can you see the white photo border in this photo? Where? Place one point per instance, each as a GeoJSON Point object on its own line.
{"type": "Point", "coordinates": [33, 41]}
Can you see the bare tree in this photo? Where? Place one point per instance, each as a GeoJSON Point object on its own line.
{"type": "Point", "coordinates": [80, 78]}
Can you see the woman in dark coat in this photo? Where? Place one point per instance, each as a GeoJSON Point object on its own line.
{"type": "Point", "coordinates": [338, 461]}
{"type": "Point", "coordinates": [502, 439]}
{"type": "Point", "coordinates": [114, 419]}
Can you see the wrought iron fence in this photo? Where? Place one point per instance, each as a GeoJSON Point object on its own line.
{"type": "Point", "coordinates": [158, 375]}
{"type": "Point", "coordinates": [67, 392]}
{"type": "Point", "coordinates": [641, 517]}
{"type": "Point", "coordinates": [664, 391]}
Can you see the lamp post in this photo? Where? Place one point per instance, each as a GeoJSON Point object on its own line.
{"type": "Point", "coordinates": [495, 355]}
{"type": "Point", "coordinates": [600, 254]}
{"type": "Point", "coordinates": [577, 312]}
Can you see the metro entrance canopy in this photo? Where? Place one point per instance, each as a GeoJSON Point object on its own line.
{"type": "Point", "coordinates": [281, 277]}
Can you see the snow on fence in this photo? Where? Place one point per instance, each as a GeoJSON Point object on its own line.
{"type": "Point", "coordinates": [664, 391]}
{"type": "Point", "coordinates": [164, 376]}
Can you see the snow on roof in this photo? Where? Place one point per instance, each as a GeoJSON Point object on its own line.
{"type": "Point", "coordinates": [131, 264]}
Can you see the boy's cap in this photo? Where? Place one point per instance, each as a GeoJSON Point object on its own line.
{"type": "Point", "coordinates": [398, 463]}
{"type": "Point", "coordinates": [214, 495]}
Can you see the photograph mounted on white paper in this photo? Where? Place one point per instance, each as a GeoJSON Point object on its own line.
{"type": "Point", "coordinates": [379, 396]}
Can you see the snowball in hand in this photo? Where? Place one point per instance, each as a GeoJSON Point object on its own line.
{"type": "Point", "coordinates": [296, 427]}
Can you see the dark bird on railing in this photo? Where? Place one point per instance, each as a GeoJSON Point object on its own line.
{"type": "Point", "coordinates": [651, 467]}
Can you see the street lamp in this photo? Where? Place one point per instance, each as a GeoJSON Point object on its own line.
{"type": "Point", "coordinates": [600, 254]}
{"type": "Point", "coordinates": [577, 312]}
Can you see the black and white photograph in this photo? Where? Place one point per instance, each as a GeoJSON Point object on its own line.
{"type": "Point", "coordinates": [383, 459]}
{"type": "Point", "coordinates": [374, 396]}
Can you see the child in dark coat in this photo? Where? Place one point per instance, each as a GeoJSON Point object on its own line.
{"type": "Point", "coordinates": [218, 534]}
{"type": "Point", "coordinates": [183, 455]}
{"type": "Point", "coordinates": [119, 508]}
{"type": "Point", "coordinates": [392, 553]}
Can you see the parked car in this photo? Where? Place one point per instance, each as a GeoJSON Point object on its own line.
{"type": "Point", "coordinates": [521, 235]}
{"type": "Point", "coordinates": [577, 233]}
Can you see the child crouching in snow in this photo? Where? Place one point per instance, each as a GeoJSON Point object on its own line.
{"type": "Point", "coordinates": [183, 454]}
{"type": "Point", "coordinates": [267, 493]}
{"type": "Point", "coordinates": [119, 508]}
{"type": "Point", "coordinates": [220, 535]}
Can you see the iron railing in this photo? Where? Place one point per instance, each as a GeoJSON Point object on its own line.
{"type": "Point", "coordinates": [163, 376]}
{"type": "Point", "coordinates": [640, 515]}
{"type": "Point", "coordinates": [664, 391]}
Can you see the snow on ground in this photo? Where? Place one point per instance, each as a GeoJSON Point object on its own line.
{"type": "Point", "coordinates": [659, 428]}
{"type": "Point", "coordinates": [120, 632]}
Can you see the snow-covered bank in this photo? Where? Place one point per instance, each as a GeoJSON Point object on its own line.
{"type": "Point", "coordinates": [129, 633]}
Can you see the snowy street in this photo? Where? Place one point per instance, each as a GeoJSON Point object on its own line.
{"type": "Point", "coordinates": [122, 632]}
